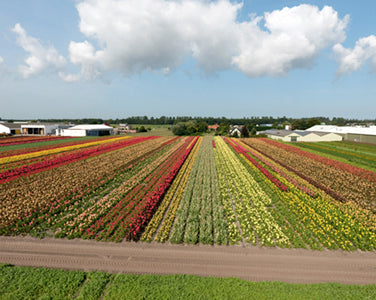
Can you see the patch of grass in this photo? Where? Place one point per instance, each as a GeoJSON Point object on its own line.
{"type": "Point", "coordinates": [195, 287]}
{"type": "Point", "coordinates": [94, 285]}
{"type": "Point", "coordinates": [163, 131]}
{"type": "Point", "coordinates": [150, 126]}
{"type": "Point", "coordinates": [39, 283]}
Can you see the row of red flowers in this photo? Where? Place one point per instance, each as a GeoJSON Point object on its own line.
{"type": "Point", "coordinates": [310, 180]}
{"type": "Point", "coordinates": [115, 224]}
{"type": "Point", "coordinates": [280, 172]}
{"type": "Point", "coordinates": [66, 159]}
{"type": "Point", "coordinates": [29, 210]}
{"type": "Point", "coordinates": [152, 201]}
{"type": "Point", "coordinates": [369, 175]}
{"type": "Point", "coordinates": [239, 149]}
{"type": "Point", "coordinates": [76, 141]}
{"type": "Point", "coordinates": [26, 140]}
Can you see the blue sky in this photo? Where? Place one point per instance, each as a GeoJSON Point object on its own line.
{"type": "Point", "coordinates": [114, 59]}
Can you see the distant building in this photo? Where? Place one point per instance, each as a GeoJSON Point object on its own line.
{"type": "Point", "coordinates": [360, 134]}
{"type": "Point", "coordinates": [124, 129]}
{"type": "Point", "coordinates": [41, 129]}
{"type": "Point", "coordinates": [88, 130]}
{"type": "Point", "coordinates": [10, 128]}
{"type": "Point", "coordinates": [301, 136]}
{"type": "Point", "coordinates": [213, 127]}
{"type": "Point", "coordinates": [235, 129]}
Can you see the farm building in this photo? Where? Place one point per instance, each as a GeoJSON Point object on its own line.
{"type": "Point", "coordinates": [349, 133]}
{"type": "Point", "coordinates": [235, 130]}
{"type": "Point", "coordinates": [213, 127]}
{"type": "Point", "coordinates": [40, 129]}
{"type": "Point", "coordinates": [10, 128]}
{"type": "Point", "coordinates": [88, 130]}
{"type": "Point", "coordinates": [301, 136]}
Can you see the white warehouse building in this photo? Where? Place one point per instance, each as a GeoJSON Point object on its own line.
{"type": "Point", "coordinates": [360, 134]}
{"type": "Point", "coordinates": [88, 130]}
{"type": "Point", "coordinates": [40, 129]}
{"type": "Point", "coordinates": [10, 128]}
{"type": "Point", "coordinates": [302, 136]}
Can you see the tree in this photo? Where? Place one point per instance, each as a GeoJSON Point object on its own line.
{"type": "Point", "coordinates": [253, 131]}
{"type": "Point", "coordinates": [244, 132]}
{"type": "Point", "coordinates": [179, 129]}
{"type": "Point", "coordinates": [223, 128]}
{"type": "Point", "coordinates": [299, 124]}
{"type": "Point", "coordinates": [313, 122]}
{"type": "Point", "coordinates": [191, 127]}
{"type": "Point", "coordinates": [202, 126]}
{"type": "Point", "coordinates": [142, 129]}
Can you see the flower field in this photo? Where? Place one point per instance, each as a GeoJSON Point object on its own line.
{"type": "Point", "coordinates": [192, 190]}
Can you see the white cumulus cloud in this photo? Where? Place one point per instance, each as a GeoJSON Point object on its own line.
{"type": "Point", "coordinates": [351, 60]}
{"type": "Point", "coordinates": [131, 36]}
{"type": "Point", "coordinates": [294, 38]}
{"type": "Point", "coordinates": [41, 58]}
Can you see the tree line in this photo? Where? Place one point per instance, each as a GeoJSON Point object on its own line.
{"type": "Point", "coordinates": [297, 123]}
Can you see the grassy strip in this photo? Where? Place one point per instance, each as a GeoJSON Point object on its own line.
{"type": "Point", "coordinates": [39, 283]}
{"type": "Point", "coordinates": [46, 143]}
{"type": "Point", "coordinates": [334, 153]}
{"type": "Point", "coordinates": [94, 285]}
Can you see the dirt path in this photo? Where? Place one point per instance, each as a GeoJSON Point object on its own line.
{"type": "Point", "coordinates": [255, 264]}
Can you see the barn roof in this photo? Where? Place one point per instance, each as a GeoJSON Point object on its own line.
{"type": "Point", "coordinates": [344, 129]}
{"type": "Point", "coordinates": [91, 127]}
{"type": "Point", "coordinates": [11, 125]}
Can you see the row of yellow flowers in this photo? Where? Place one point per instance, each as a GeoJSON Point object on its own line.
{"type": "Point", "coordinates": [170, 202]}
{"type": "Point", "coordinates": [324, 217]}
{"type": "Point", "coordinates": [9, 159]}
{"type": "Point", "coordinates": [248, 200]}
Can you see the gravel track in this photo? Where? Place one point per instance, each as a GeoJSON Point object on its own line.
{"type": "Point", "coordinates": [254, 264]}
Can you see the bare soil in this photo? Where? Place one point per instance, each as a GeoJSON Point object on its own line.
{"type": "Point", "coordinates": [253, 263]}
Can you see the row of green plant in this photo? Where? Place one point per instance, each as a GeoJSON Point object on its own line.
{"type": "Point", "coordinates": [160, 225]}
{"type": "Point", "coordinates": [200, 217]}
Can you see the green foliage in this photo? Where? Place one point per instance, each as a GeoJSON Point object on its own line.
{"type": "Point", "coordinates": [142, 129]}
{"type": "Point", "coordinates": [223, 128]}
{"type": "Point", "coordinates": [179, 129]}
{"type": "Point", "coordinates": [253, 131]}
{"type": "Point", "coordinates": [304, 124]}
{"type": "Point", "coordinates": [244, 132]}
{"type": "Point", "coordinates": [189, 128]}
{"type": "Point", "coordinates": [202, 126]}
